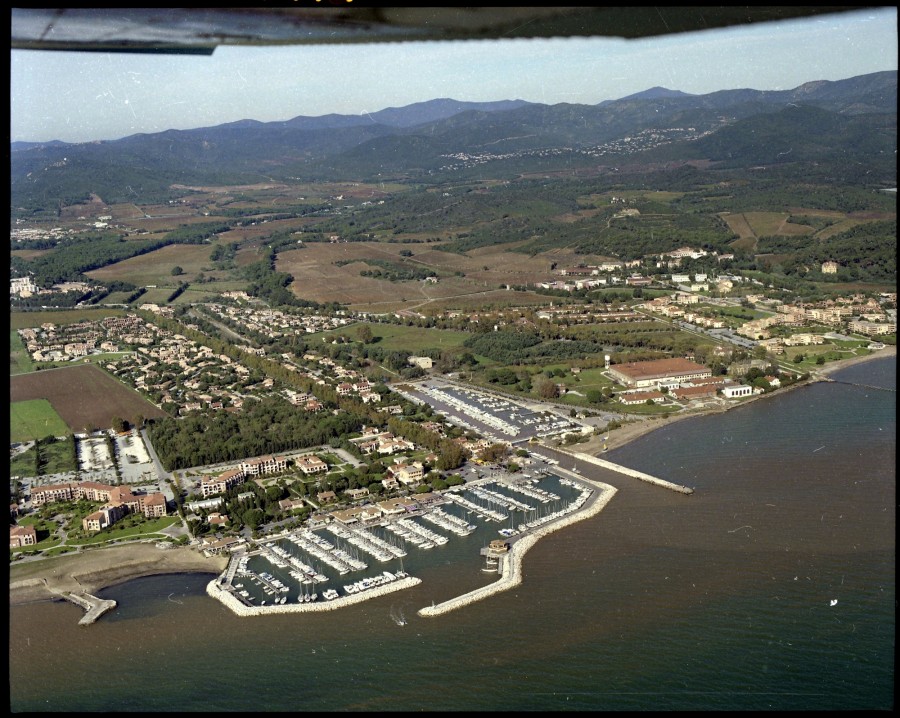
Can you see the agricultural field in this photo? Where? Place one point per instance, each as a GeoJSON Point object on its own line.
{"type": "Point", "coordinates": [838, 227]}
{"type": "Point", "coordinates": [34, 419]}
{"type": "Point", "coordinates": [317, 277]}
{"type": "Point", "coordinates": [29, 253]}
{"type": "Point", "coordinates": [125, 211]}
{"type": "Point", "coordinates": [156, 267]}
{"type": "Point", "coordinates": [764, 224]}
{"type": "Point", "coordinates": [24, 320]}
{"type": "Point", "coordinates": [19, 361]}
{"type": "Point", "coordinates": [84, 396]}
{"type": "Point", "coordinates": [394, 337]}
{"type": "Point", "coordinates": [156, 295]}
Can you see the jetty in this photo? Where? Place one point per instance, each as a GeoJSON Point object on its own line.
{"type": "Point", "coordinates": [94, 607]}
{"type": "Point", "coordinates": [217, 589]}
{"type": "Point", "coordinates": [603, 463]}
{"type": "Point", "coordinates": [510, 562]}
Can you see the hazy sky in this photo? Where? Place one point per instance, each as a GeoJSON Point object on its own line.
{"type": "Point", "coordinates": [76, 97]}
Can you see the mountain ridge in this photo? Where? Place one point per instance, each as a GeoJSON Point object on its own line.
{"type": "Point", "coordinates": [409, 142]}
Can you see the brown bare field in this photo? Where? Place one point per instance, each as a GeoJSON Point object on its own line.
{"type": "Point", "coordinates": [839, 227]}
{"type": "Point", "coordinates": [243, 234]}
{"type": "Point", "coordinates": [28, 253]}
{"type": "Point", "coordinates": [91, 209]}
{"type": "Point", "coordinates": [571, 217]}
{"type": "Point", "coordinates": [125, 211]}
{"type": "Point", "coordinates": [833, 214]}
{"type": "Point", "coordinates": [164, 219]}
{"type": "Point", "coordinates": [873, 215]}
{"type": "Point", "coordinates": [746, 243]}
{"type": "Point", "coordinates": [225, 189]}
{"type": "Point", "coordinates": [738, 224]}
{"type": "Point", "coordinates": [764, 222]}
{"type": "Point", "coordinates": [791, 229]}
{"type": "Point", "coordinates": [156, 267]}
{"type": "Point", "coordinates": [484, 269]}
{"type": "Point", "coordinates": [83, 396]}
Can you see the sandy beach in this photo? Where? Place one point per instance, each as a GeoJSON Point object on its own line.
{"type": "Point", "coordinates": [98, 568]}
{"type": "Point", "coordinates": [91, 570]}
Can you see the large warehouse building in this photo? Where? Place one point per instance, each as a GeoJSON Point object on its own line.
{"type": "Point", "coordinates": [654, 373]}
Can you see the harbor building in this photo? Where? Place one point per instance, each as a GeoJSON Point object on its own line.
{"type": "Point", "coordinates": [638, 375]}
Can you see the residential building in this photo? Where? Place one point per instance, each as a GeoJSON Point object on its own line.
{"type": "Point", "coordinates": [220, 484]}
{"type": "Point", "coordinates": [22, 536]}
{"type": "Point", "coordinates": [311, 464]}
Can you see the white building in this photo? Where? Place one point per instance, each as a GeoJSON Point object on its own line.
{"type": "Point", "coordinates": [736, 391]}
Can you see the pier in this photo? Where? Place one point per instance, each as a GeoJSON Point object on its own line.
{"type": "Point", "coordinates": [95, 607]}
{"type": "Point", "coordinates": [603, 463]}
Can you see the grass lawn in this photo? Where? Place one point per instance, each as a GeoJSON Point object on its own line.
{"type": "Point", "coordinates": [19, 360]}
{"type": "Point", "coordinates": [121, 530]}
{"type": "Point", "coordinates": [34, 419]}
{"type": "Point", "coordinates": [394, 337]}
{"type": "Point", "coordinates": [22, 464]}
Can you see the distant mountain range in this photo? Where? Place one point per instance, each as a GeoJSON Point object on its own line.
{"type": "Point", "coordinates": [853, 118]}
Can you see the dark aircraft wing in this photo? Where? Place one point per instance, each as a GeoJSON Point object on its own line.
{"type": "Point", "coordinates": [201, 30]}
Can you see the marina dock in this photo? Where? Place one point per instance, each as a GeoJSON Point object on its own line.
{"type": "Point", "coordinates": [510, 563]}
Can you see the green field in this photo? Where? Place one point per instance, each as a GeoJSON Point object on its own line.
{"type": "Point", "coordinates": [23, 320]}
{"type": "Point", "coordinates": [394, 337]}
{"type": "Point", "coordinates": [157, 295]}
{"type": "Point", "coordinates": [34, 419]}
{"type": "Point", "coordinates": [19, 361]}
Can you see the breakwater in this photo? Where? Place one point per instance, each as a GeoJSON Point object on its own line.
{"type": "Point", "coordinates": [603, 463]}
{"type": "Point", "coordinates": [510, 565]}
{"type": "Point", "coordinates": [214, 588]}
{"type": "Point", "coordinates": [94, 607]}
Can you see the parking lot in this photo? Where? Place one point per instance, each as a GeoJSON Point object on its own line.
{"type": "Point", "coordinates": [494, 416]}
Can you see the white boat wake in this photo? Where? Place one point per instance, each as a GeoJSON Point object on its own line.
{"type": "Point", "coordinates": [398, 617]}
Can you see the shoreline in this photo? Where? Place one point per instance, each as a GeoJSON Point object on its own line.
{"type": "Point", "coordinates": [512, 561]}
{"type": "Point", "coordinates": [639, 427]}
{"type": "Point", "coordinates": [95, 569]}
{"type": "Point", "coordinates": [92, 571]}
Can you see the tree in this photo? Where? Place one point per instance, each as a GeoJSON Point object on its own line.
{"type": "Point", "coordinates": [364, 334]}
{"type": "Point", "coordinates": [176, 271]}
{"type": "Point", "coordinates": [547, 390]}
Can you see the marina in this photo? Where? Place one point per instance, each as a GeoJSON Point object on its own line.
{"type": "Point", "coordinates": [304, 568]}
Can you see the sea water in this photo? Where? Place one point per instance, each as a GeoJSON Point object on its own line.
{"type": "Point", "coordinates": [772, 587]}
